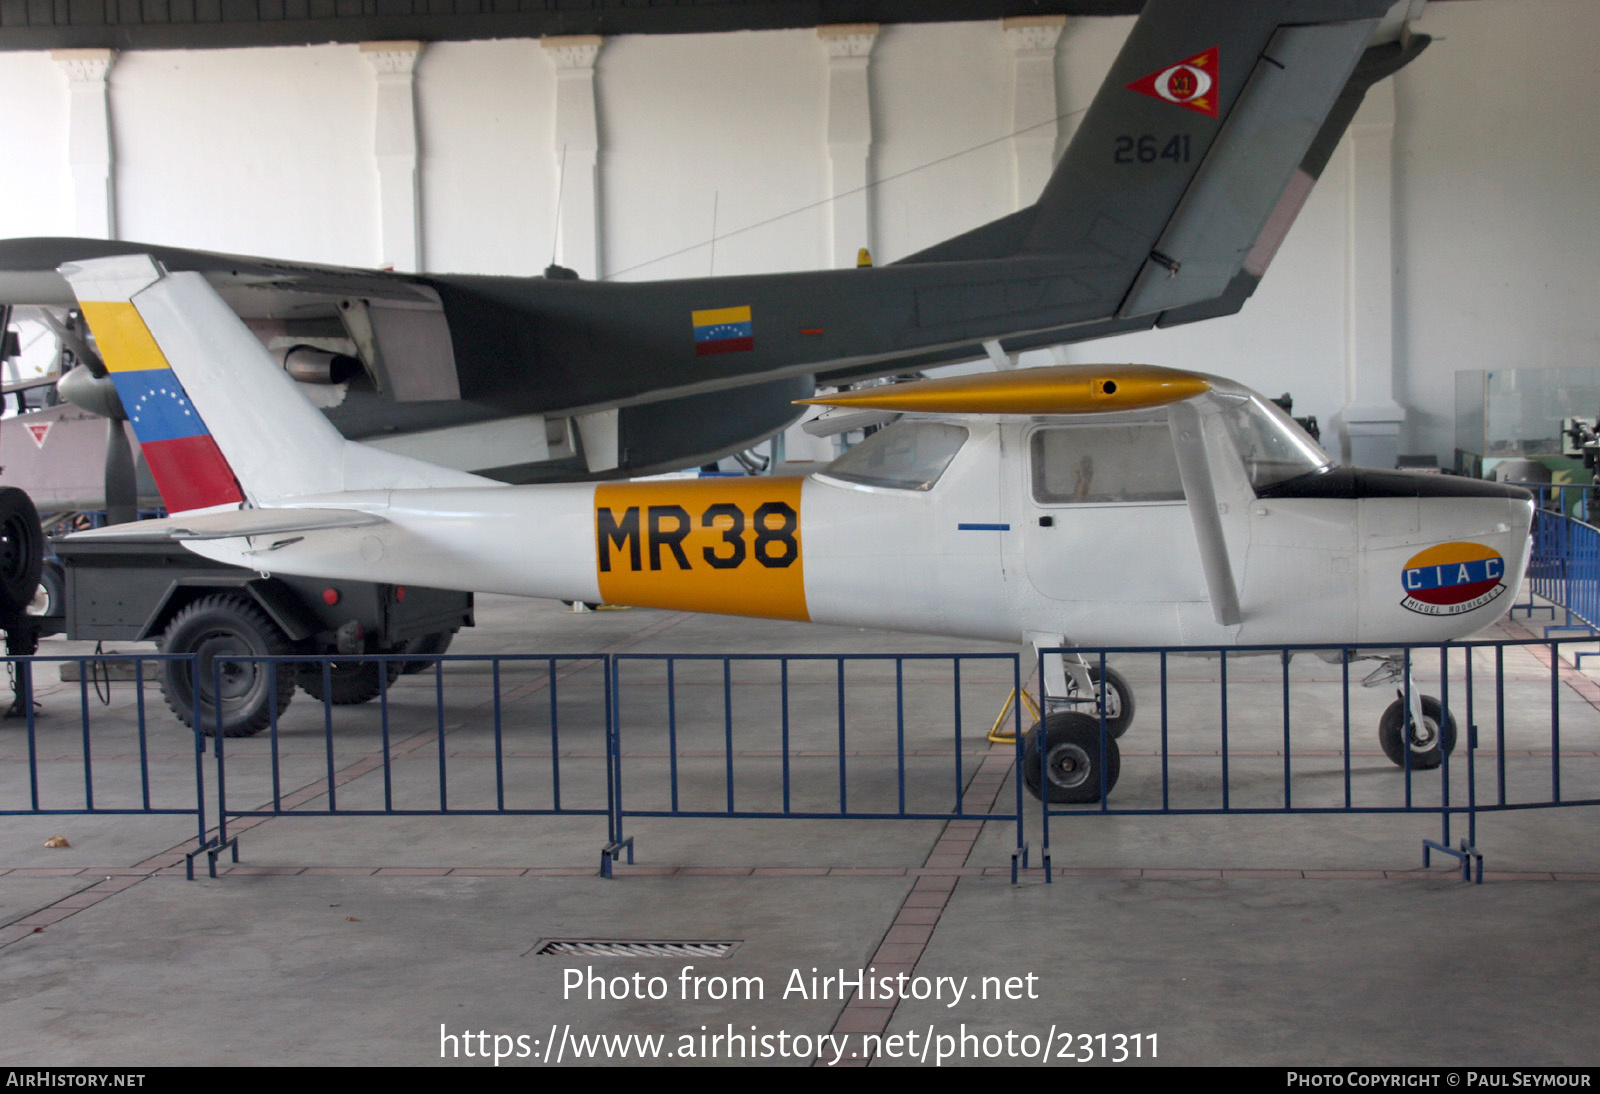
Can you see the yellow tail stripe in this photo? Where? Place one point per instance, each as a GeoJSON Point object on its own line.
{"type": "Point", "coordinates": [125, 342]}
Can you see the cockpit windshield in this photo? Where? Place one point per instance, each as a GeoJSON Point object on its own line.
{"type": "Point", "coordinates": [908, 455]}
{"type": "Point", "coordinates": [1274, 449]}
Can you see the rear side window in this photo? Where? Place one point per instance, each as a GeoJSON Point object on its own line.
{"type": "Point", "coordinates": [908, 455]}
{"type": "Point", "coordinates": [1080, 464]}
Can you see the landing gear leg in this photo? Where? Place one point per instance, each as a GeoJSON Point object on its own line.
{"type": "Point", "coordinates": [1073, 684]}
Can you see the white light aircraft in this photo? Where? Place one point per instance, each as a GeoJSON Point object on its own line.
{"type": "Point", "coordinates": [1116, 505]}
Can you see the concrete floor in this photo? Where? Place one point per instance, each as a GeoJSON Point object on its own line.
{"type": "Point", "coordinates": [1247, 939]}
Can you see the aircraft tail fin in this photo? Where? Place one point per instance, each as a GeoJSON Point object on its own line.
{"type": "Point", "coordinates": [1199, 148]}
{"type": "Point", "coordinates": [218, 420]}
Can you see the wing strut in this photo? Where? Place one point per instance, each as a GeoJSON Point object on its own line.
{"type": "Point", "coordinates": [1194, 467]}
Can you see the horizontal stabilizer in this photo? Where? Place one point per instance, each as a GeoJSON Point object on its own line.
{"type": "Point", "coordinates": [235, 523]}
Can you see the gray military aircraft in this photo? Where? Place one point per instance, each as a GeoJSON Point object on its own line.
{"type": "Point", "coordinates": [1172, 197]}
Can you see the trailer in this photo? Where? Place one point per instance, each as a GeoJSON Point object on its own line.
{"type": "Point", "coordinates": [143, 590]}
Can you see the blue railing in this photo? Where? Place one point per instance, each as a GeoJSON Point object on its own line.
{"type": "Point", "coordinates": [536, 745]}
{"type": "Point", "coordinates": [1296, 751]}
{"type": "Point", "coordinates": [87, 764]}
{"type": "Point", "coordinates": [828, 737]}
{"type": "Point", "coordinates": [882, 736]}
{"type": "Point", "coordinates": [1564, 562]}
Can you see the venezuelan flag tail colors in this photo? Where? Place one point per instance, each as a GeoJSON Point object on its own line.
{"type": "Point", "coordinates": [184, 365]}
{"type": "Point", "coordinates": [190, 470]}
{"type": "Point", "coordinates": [723, 330]}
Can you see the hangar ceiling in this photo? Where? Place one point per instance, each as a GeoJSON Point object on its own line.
{"type": "Point", "coordinates": [211, 24]}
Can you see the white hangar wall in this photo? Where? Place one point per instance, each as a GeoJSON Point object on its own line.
{"type": "Point", "coordinates": [1455, 228]}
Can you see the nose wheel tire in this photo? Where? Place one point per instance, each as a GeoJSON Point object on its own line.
{"type": "Point", "coordinates": [1428, 742]}
{"type": "Point", "coordinates": [1064, 752]}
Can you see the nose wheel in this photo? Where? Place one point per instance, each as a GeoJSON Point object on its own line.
{"type": "Point", "coordinates": [1427, 740]}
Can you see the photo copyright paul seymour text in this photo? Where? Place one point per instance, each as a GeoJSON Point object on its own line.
{"type": "Point", "coordinates": [1458, 1078]}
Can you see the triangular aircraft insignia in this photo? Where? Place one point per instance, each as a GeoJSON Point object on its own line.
{"type": "Point", "coordinates": [1191, 83]}
{"type": "Point", "coordinates": [38, 431]}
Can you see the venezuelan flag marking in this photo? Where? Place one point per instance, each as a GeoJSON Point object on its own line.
{"type": "Point", "coordinates": [190, 470]}
{"type": "Point", "coordinates": [723, 330]}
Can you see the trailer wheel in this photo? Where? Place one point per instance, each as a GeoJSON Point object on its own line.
{"type": "Point", "coordinates": [429, 645]}
{"type": "Point", "coordinates": [350, 682]}
{"type": "Point", "coordinates": [251, 692]}
{"type": "Point", "coordinates": [21, 551]}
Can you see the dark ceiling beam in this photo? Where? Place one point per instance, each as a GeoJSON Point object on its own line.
{"type": "Point", "coordinates": [215, 24]}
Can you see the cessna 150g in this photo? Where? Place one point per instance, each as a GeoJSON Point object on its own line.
{"type": "Point", "coordinates": [1167, 206]}
{"type": "Point", "coordinates": [1105, 505]}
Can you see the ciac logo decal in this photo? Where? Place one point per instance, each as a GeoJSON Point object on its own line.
{"type": "Point", "coordinates": [1452, 578]}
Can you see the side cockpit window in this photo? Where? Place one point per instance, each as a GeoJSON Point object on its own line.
{"type": "Point", "coordinates": [908, 455]}
{"type": "Point", "coordinates": [1080, 464]}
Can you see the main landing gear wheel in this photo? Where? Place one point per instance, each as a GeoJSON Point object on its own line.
{"type": "Point", "coordinates": [1072, 758]}
{"type": "Point", "coordinates": [350, 682]}
{"type": "Point", "coordinates": [1114, 693]}
{"type": "Point", "coordinates": [249, 693]}
{"type": "Point", "coordinates": [1438, 729]}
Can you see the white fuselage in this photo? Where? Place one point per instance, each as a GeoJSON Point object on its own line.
{"type": "Point", "coordinates": [993, 549]}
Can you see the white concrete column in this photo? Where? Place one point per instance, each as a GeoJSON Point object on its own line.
{"type": "Point", "coordinates": [1032, 41]}
{"type": "Point", "coordinates": [394, 148]}
{"type": "Point", "coordinates": [577, 149]}
{"type": "Point", "coordinates": [849, 47]}
{"type": "Point", "coordinates": [89, 150]}
{"type": "Point", "coordinates": [1372, 419]}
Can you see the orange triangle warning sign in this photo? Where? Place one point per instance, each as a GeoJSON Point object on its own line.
{"type": "Point", "coordinates": [1190, 83]}
{"type": "Point", "coordinates": [38, 431]}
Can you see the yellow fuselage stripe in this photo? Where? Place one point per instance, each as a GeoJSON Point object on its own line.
{"type": "Point", "coordinates": [731, 546]}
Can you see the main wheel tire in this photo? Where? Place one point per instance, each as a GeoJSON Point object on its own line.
{"type": "Point", "coordinates": [1118, 699]}
{"type": "Point", "coordinates": [429, 645]}
{"type": "Point", "coordinates": [1438, 728]}
{"type": "Point", "coordinates": [251, 692]}
{"type": "Point", "coordinates": [351, 681]}
{"type": "Point", "coordinates": [50, 598]}
{"type": "Point", "coordinates": [1069, 743]}
{"type": "Point", "coordinates": [21, 551]}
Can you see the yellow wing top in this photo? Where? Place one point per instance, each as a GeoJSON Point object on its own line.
{"type": "Point", "coordinates": [1062, 389]}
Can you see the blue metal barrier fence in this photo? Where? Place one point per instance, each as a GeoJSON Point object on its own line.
{"type": "Point", "coordinates": [1503, 726]}
{"type": "Point", "coordinates": [504, 735]}
{"type": "Point", "coordinates": [881, 737]}
{"type": "Point", "coordinates": [1461, 730]}
{"type": "Point", "coordinates": [66, 773]}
